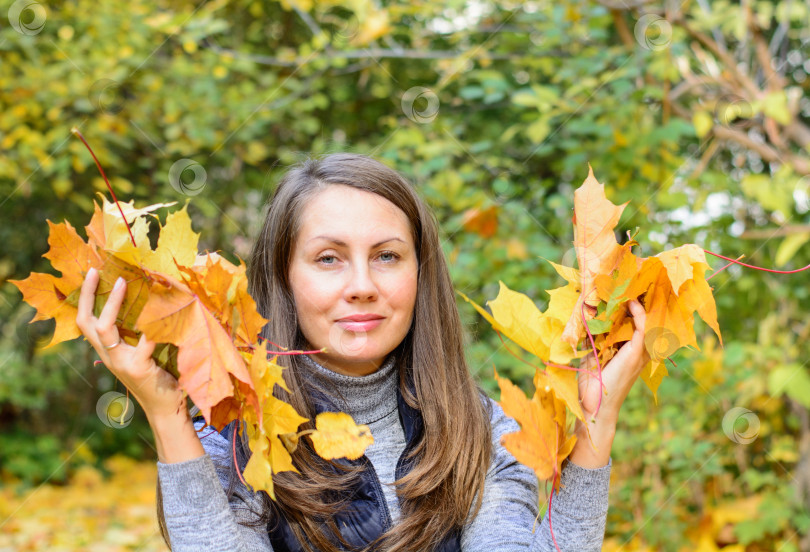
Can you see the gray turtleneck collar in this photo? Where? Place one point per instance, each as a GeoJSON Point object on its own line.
{"type": "Point", "coordinates": [365, 398]}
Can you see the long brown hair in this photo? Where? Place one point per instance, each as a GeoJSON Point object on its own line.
{"type": "Point", "coordinates": [446, 483]}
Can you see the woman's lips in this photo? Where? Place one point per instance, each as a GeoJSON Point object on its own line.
{"type": "Point", "coordinates": [359, 326]}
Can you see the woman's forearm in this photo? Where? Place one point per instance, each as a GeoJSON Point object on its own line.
{"type": "Point", "coordinates": [593, 455]}
{"type": "Point", "coordinates": [175, 438]}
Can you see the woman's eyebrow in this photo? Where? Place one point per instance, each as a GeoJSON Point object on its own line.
{"type": "Point", "coordinates": [344, 244]}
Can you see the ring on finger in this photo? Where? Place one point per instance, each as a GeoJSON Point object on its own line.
{"type": "Point", "coordinates": [114, 345]}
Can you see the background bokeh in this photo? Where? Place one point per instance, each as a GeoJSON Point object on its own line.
{"type": "Point", "coordinates": [696, 112]}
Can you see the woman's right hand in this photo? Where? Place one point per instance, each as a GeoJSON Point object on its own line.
{"type": "Point", "coordinates": [156, 390]}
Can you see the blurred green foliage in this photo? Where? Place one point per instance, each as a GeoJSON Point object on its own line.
{"type": "Point", "coordinates": [494, 110]}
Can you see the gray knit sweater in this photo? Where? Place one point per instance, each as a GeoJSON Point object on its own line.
{"type": "Point", "coordinates": [200, 518]}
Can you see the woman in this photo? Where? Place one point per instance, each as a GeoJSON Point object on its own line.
{"type": "Point", "coordinates": [349, 259]}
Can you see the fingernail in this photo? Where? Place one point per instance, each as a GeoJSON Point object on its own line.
{"type": "Point", "coordinates": [91, 272]}
{"type": "Point", "coordinates": [118, 283]}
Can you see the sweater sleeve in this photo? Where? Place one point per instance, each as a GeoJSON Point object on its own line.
{"type": "Point", "coordinates": [507, 519]}
{"type": "Point", "coordinates": [197, 512]}
{"type": "Point", "coordinates": [578, 511]}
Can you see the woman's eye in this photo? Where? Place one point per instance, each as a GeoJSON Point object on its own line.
{"type": "Point", "coordinates": [388, 256]}
{"type": "Point", "coordinates": [326, 259]}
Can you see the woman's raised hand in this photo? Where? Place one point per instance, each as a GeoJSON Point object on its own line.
{"type": "Point", "coordinates": [156, 390]}
{"type": "Point", "coordinates": [618, 377]}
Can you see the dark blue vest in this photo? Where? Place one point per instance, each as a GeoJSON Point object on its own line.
{"type": "Point", "coordinates": [367, 516]}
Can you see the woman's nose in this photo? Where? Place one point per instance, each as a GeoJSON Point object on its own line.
{"type": "Point", "coordinates": [361, 286]}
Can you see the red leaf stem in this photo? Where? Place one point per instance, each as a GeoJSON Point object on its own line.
{"type": "Point", "coordinates": [75, 131]}
{"type": "Point", "coordinates": [207, 434]}
{"type": "Point", "coordinates": [719, 270]}
{"type": "Point", "coordinates": [314, 352]}
{"type": "Point", "coordinates": [233, 447]}
{"type": "Point", "coordinates": [273, 343]}
{"type": "Point", "coordinates": [756, 267]}
{"type": "Point", "coordinates": [551, 496]}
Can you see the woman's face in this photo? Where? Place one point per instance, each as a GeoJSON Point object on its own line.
{"type": "Point", "coordinates": [353, 276]}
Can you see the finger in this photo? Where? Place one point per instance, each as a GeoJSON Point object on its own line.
{"type": "Point", "coordinates": [87, 297]}
{"type": "Point", "coordinates": [145, 347]}
{"type": "Point", "coordinates": [639, 315]}
{"type": "Point", "coordinates": [588, 361]}
{"type": "Point", "coordinates": [639, 321]}
{"type": "Point", "coordinates": [107, 331]}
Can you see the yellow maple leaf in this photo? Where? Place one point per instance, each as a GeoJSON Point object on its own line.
{"type": "Point", "coordinates": [570, 274]}
{"type": "Point", "coordinates": [337, 436]}
{"type": "Point", "coordinates": [258, 473]}
{"type": "Point", "coordinates": [679, 263]}
{"type": "Point", "coordinates": [519, 319]}
{"type": "Point", "coordinates": [177, 244]}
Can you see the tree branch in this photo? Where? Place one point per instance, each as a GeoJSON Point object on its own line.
{"type": "Point", "coordinates": [799, 133]}
{"type": "Point", "coordinates": [765, 151]}
{"type": "Point", "coordinates": [313, 26]}
{"type": "Point", "coordinates": [622, 29]}
{"type": "Point", "coordinates": [374, 53]}
{"type": "Point", "coordinates": [768, 233]}
{"type": "Point", "coordinates": [730, 64]}
{"type": "Point", "coordinates": [773, 79]}
{"type": "Point", "coordinates": [623, 5]}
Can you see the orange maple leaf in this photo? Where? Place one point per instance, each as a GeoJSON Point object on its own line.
{"type": "Point", "coordinates": [598, 252]}
{"type": "Point", "coordinates": [57, 297]}
{"type": "Point", "coordinates": [483, 222]}
{"type": "Point", "coordinates": [542, 442]}
{"type": "Point", "coordinates": [206, 355]}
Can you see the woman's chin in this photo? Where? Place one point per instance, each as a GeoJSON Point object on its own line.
{"type": "Point", "coordinates": [359, 364]}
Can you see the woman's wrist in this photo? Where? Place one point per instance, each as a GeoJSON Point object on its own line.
{"type": "Point", "coordinates": [176, 440]}
{"type": "Point", "coordinates": [593, 451]}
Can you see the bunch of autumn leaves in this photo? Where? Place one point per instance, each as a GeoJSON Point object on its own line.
{"type": "Point", "coordinates": [197, 308]}
{"type": "Point", "coordinates": [671, 286]}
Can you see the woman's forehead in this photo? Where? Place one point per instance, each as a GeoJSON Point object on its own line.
{"type": "Point", "coordinates": [344, 214]}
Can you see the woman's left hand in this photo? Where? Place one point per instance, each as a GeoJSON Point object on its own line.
{"type": "Point", "coordinates": [618, 377]}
